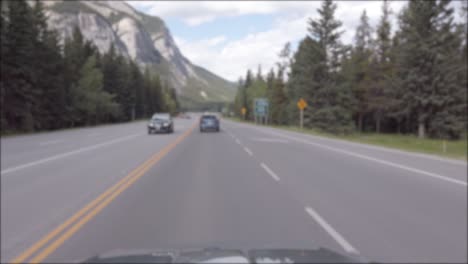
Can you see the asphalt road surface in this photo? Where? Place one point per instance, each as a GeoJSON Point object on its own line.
{"type": "Point", "coordinates": [70, 195]}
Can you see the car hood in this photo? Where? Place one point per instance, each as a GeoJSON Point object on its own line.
{"type": "Point", "coordinates": [217, 255]}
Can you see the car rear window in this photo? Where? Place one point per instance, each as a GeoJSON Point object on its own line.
{"type": "Point", "coordinates": [209, 117]}
{"type": "Point", "coordinates": [161, 117]}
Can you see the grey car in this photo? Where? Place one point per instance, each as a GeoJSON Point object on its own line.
{"type": "Point", "coordinates": [161, 122]}
{"type": "Point", "coordinates": [209, 122]}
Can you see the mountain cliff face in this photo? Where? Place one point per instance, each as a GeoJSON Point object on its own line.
{"type": "Point", "coordinates": [142, 38]}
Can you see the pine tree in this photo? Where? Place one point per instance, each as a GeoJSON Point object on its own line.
{"type": "Point", "coordinates": [256, 90]}
{"type": "Point", "coordinates": [40, 59]}
{"type": "Point", "coordinates": [386, 95]}
{"type": "Point", "coordinates": [245, 100]}
{"type": "Point", "coordinates": [126, 94]}
{"type": "Point", "coordinates": [302, 80]}
{"type": "Point", "coordinates": [75, 53]}
{"type": "Point", "coordinates": [259, 76]}
{"type": "Point", "coordinates": [156, 94]}
{"type": "Point", "coordinates": [84, 93]}
{"type": "Point", "coordinates": [74, 59]}
{"type": "Point", "coordinates": [53, 99]}
{"type": "Point", "coordinates": [269, 85]}
{"type": "Point", "coordinates": [359, 69]}
{"type": "Point", "coordinates": [148, 109]}
{"type": "Point", "coordinates": [380, 93]}
{"type": "Point", "coordinates": [39, 21]}
{"type": "Point", "coordinates": [270, 80]}
{"type": "Point", "coordinates": [20, 91]}
{"type": "Point", "coordinates": [451, 120]}
{"type": "Point", "coordinates": [278, 100]}
{"type": "Point", "coordinates": [325, 29]}
{"type": "Point", "coordinates": [333, 98]}
{"type": "Point", "coordinates": [461, 107]}
{"type": "Point", "coordinates": [238, 98]}
{"type": "Point", "coordinates": [173, 96]}
{"type": "Point", "coordinates": [48, 67]}
{"type": "Point", "coordinates": [285, 58]}
{"type": "Point", "coordinates": [91, 102]}
{"type": "Point", "coordinates": [429, 47]}
{"type": "Point", "coordinates": [170, 105]}
{"type": "Point", "coordinates": [136, 86]}
{"type": "Point", "coordinates": [109, 70]}
{"type": "Point", "coordinates": [4, 125]}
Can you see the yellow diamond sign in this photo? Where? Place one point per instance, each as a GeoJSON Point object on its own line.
{"type": "Point", "coordinates": [243, 110]}
{"type": "Point", "coordinates": [301, 104]}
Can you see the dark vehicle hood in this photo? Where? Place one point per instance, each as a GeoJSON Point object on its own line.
{"type": "Point", "coordinates": [216, 255]}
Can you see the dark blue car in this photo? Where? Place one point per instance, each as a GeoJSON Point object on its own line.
{"type": "Point", "coordinates": [209, 123]}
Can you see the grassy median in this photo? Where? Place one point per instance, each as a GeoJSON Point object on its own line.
{"type": "Point", "coordinates": [453, 148]}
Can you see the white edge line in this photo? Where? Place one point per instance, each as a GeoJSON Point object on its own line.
{"type": "Point", "coordinates": [270, 140]}
{"type": "Point", "coordinates": [331, 231]}
{"type": "Point", "coordinates": [230, 134]}
{"type": "Point", "coordinates": [59, 156]}
{"type": "Point", "coordinates": [248, 151]}
{"type": "Point", "coordinates": [238, 141]}
{"type": "Point", "coordinates": [364, 145]}
{"type": "Point", "coordinates": [388, 163]}
{"type": "Point", "coordinates": [50, 142]}
{"type": "Point", "coordinates": [391, 150]}
{"type": "Point", "coordinates": [269, 171]}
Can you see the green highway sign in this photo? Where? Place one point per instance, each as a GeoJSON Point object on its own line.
{"type": "Point", "coordinates": [261, 106]}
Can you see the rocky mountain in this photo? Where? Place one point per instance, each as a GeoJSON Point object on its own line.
{"type": "Point", "coordinates": [142, 38]}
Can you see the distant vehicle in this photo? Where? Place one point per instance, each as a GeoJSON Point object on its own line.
{"type": "Point", "coordinates": [209, 122]}
{"type": "Point", "coordinates": [161, 122]}
{"type": "Point", "coordinates": [184, 115]}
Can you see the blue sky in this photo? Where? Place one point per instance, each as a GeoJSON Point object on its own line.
{"type": "Point", "coordinates": [229, 37]}
{"type": "Point", "coordinates": [234, 28]}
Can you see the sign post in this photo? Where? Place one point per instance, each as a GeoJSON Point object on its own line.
{"type": "Point", "coordinates": [261, 107]}
{"type": "Point", "coordinates": [301, 118]}
{"type": "Point", "coordinates": [243, 111]}
{"type": "Point", "coordinates": [301, 104]}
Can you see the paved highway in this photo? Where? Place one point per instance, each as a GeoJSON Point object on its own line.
{"type": "Point", "coordinates": [73, 194]}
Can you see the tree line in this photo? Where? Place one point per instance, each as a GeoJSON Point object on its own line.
{"type": "Point", "coordinates": [413, 81]}
{"type": "Point", "coordinates": [46, 85]}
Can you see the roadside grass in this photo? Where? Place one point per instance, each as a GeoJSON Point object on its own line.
{"type": "Point", "coordinates": [456, 149]}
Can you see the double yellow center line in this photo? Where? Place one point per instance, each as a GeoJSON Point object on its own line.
{"type": "Point", "coordinates": [75, 222]}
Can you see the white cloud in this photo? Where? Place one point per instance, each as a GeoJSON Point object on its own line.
{"type": "Point", "coordinates": [216, 41]}
{"type": "Point", "coordinates": [210, 42]}
{"type": "Point", "coordinates": [199, 12]}
{"type": "Point", "coordinates": [198, 20]}
{"type": "Point", "coordinates": [232, 59]}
